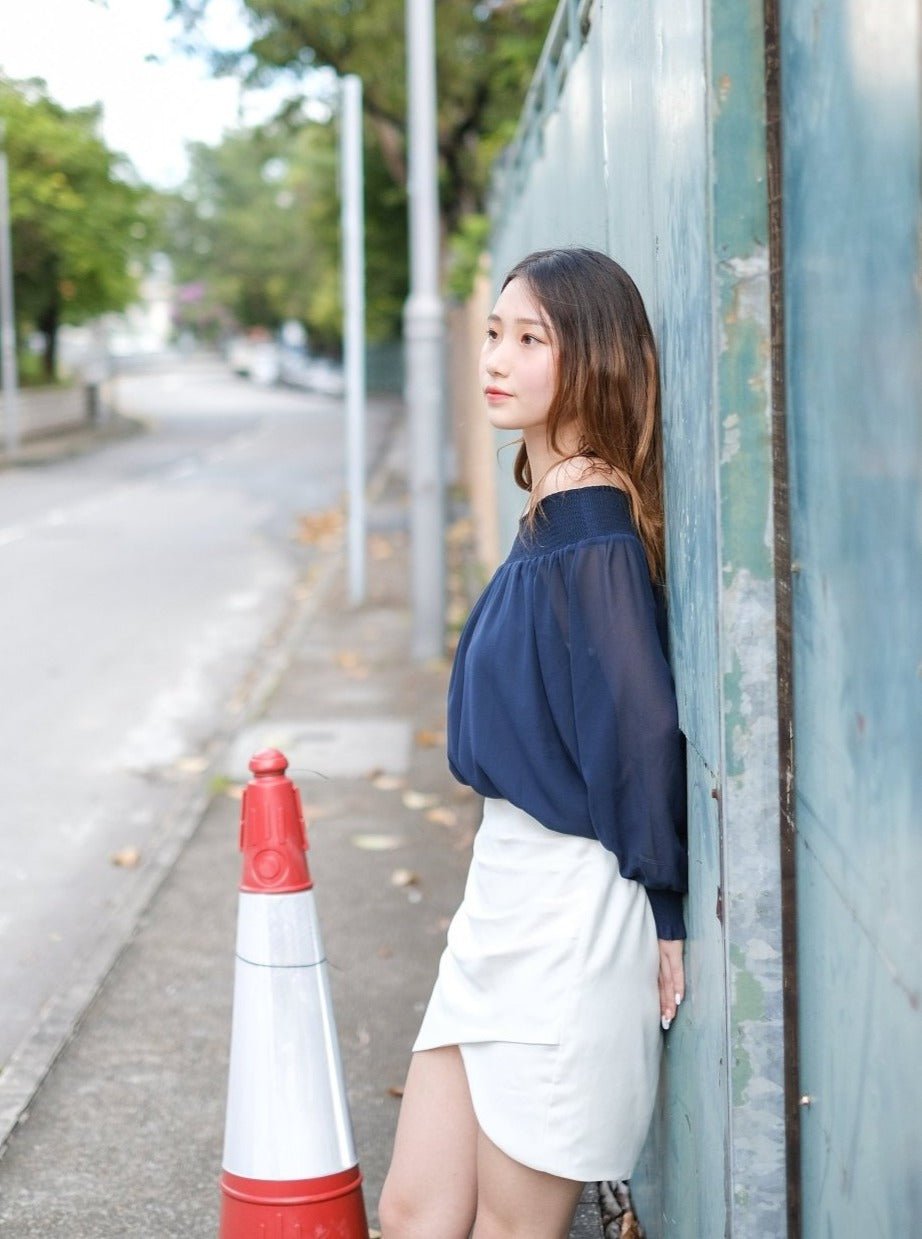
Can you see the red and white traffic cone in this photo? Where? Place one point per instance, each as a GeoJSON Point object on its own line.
{"type": "Point", "coordinates": [290, 1169]}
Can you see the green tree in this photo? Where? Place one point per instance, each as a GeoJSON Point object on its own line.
{"type": "Point", "coordinates": [257, 225]}
{"type": "Point", "coordinates": [80, 220]}
{"type": "Point", "coordinates": [486, 53]}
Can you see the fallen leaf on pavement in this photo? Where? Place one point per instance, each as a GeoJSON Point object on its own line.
{"type": "Point", "coordinates": [378, 843]}
{"type": "Point", "coordinates": [374, 1234]}
{"type": "Point", "coordinates": [126, 858]}
{"type": "Point", "coordinates": [427, 739]}
{"type": "Point", "coordinates": [419, 800]}
{"type": "Point", "coordinates": [321, 529]}
{"type": "Point", "coordinates": [394, 1092]}
{"type": "Point", "coordinates": [314, 812]}
{"type": "Point", "coordinates": [404, 877]}
{"type": "Point", "coordinates": [388, 782]}
{"type": "Point", "coordinates": [442, 817]}
{"type": "Point", "coordinates": [385, 952]}
{"type": "Point", "coordinates": [380, 547]}
{"type": "Point", "coordinates": [347, 659]}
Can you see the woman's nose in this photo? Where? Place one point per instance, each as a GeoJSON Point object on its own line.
{"type": "Point", "coordinates": [496, 363]}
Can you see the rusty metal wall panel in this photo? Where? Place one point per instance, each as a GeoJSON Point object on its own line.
{"type": "Point", "coordinates": [851, 96]}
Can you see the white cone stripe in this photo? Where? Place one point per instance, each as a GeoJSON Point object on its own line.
{"type": "Point", "coordinates": [287, 1114]}
{"type": "Point", "coordinates": [279, 931]}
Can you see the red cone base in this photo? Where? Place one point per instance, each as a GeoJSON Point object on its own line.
{"type": "Point", "coordinates": [327, 1208]}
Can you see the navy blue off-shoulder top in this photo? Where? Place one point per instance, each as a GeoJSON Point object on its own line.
{"type": "Point", "coordinates": [561, 699]}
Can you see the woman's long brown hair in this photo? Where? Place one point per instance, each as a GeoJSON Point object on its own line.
{"type": "Point", "coordinates": [607, 380]}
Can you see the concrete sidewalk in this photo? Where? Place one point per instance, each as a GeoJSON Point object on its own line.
{"type": "Point", "coordinates": [124, 1138]}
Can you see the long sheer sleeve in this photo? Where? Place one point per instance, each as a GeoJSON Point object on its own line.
{"type": "Point", "coordinates": [630, 749]}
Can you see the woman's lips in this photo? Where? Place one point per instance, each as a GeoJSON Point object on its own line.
{"type": "Point", "coordinates": [496, 393]}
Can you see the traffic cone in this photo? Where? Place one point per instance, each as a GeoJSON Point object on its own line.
{"type": "Point", "coordinates": [290, 1169]}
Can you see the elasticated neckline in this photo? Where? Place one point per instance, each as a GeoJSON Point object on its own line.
{"type": "Point", "coordinates": [568, 516]}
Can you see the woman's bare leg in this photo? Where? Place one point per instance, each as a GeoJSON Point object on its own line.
{"type": "Point", "coordinates": [516, 1202]}
{"type": "Point", "coordinates": [431, 1187]}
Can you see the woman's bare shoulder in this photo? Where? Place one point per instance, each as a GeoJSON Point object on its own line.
{"type": "Point", "coordinates": [578, 472]}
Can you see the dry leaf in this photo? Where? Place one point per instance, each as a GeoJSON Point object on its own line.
{"type": "Point", "coordinates": [323, 529]}
{"type": "Point", "coordinates": [314, 812]}
{"type": "Point", "coordinates": [378, 843]}
{"type": "Point", "coordinates": [442, 817]}
{"type": "Point", "coordinates": [629, 1227]}
{"type": "Point", "coordinates": [419, 800]}
{"type": "Point", "coordinates": [388, 782]}
{"type": "Point", "coordinates": [347, 659]}
{"type": "Point", "coordinates": [374, 1234]}
{"type": "Point", "coordinates": [394, 1092]}
{"type": "Point", "coordinates": [385, 952]}
{"type": "Point", "coordinates": [126, 858]}
{"type": "Point", "coordinates": [380, 547]}
{"type": "Point", "coordinates": [427, 739]}
{"type": "Point", "coordinates": [404, 877]}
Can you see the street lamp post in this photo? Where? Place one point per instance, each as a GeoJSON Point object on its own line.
{"type": "Point", "coordinates": [353, 264]}
{"type": "Point", "coordinates": [423, 341]}
{"type": "Point", "coordinates": [7, 320]}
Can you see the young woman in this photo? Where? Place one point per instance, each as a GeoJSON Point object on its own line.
{"type": "Point", "coordinates": [536, 1065]}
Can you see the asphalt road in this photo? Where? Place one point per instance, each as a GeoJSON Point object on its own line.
{"type": "Point", "coordinates": [142, 583]}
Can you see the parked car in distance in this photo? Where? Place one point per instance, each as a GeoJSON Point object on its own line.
{"type": "Point", "coordinates": [255, 356]}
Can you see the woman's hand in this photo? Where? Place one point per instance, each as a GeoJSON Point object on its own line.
{"type": "Point", "coordinates": [671, 979]}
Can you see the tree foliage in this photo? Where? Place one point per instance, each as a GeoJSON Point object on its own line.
{"type": "Point", "coordinates": [79, 218]}
{"type": "Point", "coordinates": [257, 227]}
{"type": "Point", "coordinates": [486, 53]}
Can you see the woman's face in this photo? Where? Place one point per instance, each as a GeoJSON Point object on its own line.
{"type": "Point", "coordinates": [518, 361]}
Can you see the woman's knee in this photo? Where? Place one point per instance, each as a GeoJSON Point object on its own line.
{"type": "Point", "coordinates": [405, 1213]}
{"type": "Point", "coordinates": [395, 1211]}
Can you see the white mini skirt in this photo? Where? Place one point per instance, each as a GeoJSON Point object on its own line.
{"type": "Point", "coordinates": [549, 986]}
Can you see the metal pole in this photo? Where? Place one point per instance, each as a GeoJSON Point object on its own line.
{"type": "Point", "coordinates": [7, 320]}
{"type": "Point", "coordinates": [353, 260]}
{"type": "Point", "coordinates": [423, 341]}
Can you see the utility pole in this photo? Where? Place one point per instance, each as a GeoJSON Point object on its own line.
{"type": "Point", "coordinates": [7, 319]}
{"type": "Point", "coordinates": [423, 341]}
{"type": "Point", "coordinates": [353, 262]}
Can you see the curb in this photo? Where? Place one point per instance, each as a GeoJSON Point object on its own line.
{"type": "Point", "coordinates": [60, 1019]}
{"type": "Point", "coordinates": [67, 442]}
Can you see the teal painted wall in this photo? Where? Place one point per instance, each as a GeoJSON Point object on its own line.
{"type": "Point", "coordinates": [650, 145]}
{"type": "Point", "coordinates": [853, 221]}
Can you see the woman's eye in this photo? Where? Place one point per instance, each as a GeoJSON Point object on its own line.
{"type": "Point", "coordinates": [491, 333]}
{"type": "Point", "coordinates": [530, 339]}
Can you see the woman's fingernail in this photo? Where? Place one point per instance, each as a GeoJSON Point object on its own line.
{"type": "Point", "coordinates": [665, 1023]}
{"type": "Point", "coordinates": [678, 999]}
